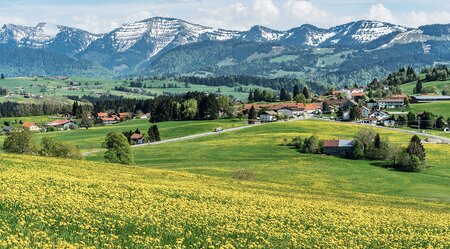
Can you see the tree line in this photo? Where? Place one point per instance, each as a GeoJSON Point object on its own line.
{"type": "Point", "coordinates": [369, 145]}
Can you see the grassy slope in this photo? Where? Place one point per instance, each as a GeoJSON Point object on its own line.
{"type": "Point", "coordinates": [438, 108]}
{"type": "Point", "coordinates": [94, 137]}
{"type": "Point", "coordinates": [48, 202]}
{"type": "Point", "coordinates": [409, 87]}
{"type": "Point", "coordinates": [258, 149]}
{"type": "Point", "coordinates": [90, 86]}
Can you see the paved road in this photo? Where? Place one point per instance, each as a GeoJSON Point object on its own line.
{"type": "Point", "coordinates": [181, 138]}
{"type": "Point", "coordinates": [441, 139]}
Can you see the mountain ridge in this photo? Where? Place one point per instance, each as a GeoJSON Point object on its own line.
{"type": "Point", "coordinates": [143, 48]}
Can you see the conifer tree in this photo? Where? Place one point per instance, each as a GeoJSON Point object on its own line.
{"type": "Point", "coordinates": [296, 91]}
{"type": "Point", "coordinates": [415, 148]}
{"type": "Point", "coordinates": [306, 93]}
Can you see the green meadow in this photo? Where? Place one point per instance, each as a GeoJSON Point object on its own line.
{"type": "Point", "coordinates": [93, 138]}
{"type": "Point", "coordinates": [55, 90]}
{"type": "Point", "coordinates": [409, 87]}
{"type": "Point", "coordinates": [259, 150]}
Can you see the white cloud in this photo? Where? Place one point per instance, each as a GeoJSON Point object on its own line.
{"type": "Point", "coordinates": [304, 10]}
{"type": "Point", "coordinates": [94, 23]}
{"type": "Point", "coordinates": [417, 18]}
{"type": "Point", "coordinates": [380, 13]}
{"type": "Point", "coordinates": [266, 11]}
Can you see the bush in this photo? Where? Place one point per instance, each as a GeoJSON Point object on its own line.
{"type": "Point", "coordinates": [50, 147]}
{"type": "Point", "coordinates": [118, 149]}
{"type": "Point", "coordinates": [243, 174]}
{"type": "Point", "coordinates": [20, 141]}
{"type": "Point", "coordinates": [407, 162]}
{"type": "Point", "coordinates": [312, 145]}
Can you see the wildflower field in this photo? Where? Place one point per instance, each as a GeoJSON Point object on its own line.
{"type": "Point", "coordinates": [259, 150]}
{"type": "Point", "coordinates": [61, 203]}
{"type": "Point", "coordinates": [184, 195]}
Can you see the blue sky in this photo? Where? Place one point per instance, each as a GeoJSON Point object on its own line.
{"type": "Point", "coordinates": [104, 15]}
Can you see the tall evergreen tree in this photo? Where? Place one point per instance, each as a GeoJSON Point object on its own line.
{"type": "Point", "coordinates": [419, 87]}
{"type": "Point", "coordinates": [306, 93]}
{"type": "Point", "coordinates": [415, 148]}
{"type": "Point", "coordinates": [377, 141]}
{"type": "Point", "coordinates": [252, 113]}
{"type": "Point", "coordinates": [296, 91]}
{"type": "Point", "coordinates": [250, 97]}
{"type": "Point", "coordinates": [156, 133]}
{"type": "Point", "coordinates": [284, 95]}
{"type": "Point", "coordinates": [2, 76]}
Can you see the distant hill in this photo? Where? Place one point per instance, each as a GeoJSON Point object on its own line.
{"type": "Point", "coordinates": [354, 52]}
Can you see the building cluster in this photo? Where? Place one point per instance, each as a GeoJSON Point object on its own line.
{"type": "Point", "coordinates": [287, 110]}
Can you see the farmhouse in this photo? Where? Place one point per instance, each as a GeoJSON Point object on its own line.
{"type": "Point", "coordinates": [137, 138]}
{"type": "Point", "coordinates": [31, 126]}
{"type": "Point", "coordinates": [340, 148]}
{"type": "Point", "coordinates": [62, 124]}
{"type": "Point", "coordinates": [365, 112]}
{"type": "Point", "coordinates": [268, 116]}
{"type": "Point", "coordinates": [125, 115]}
{"type": "Point", "coordinates": [427, 99]}
{"type": "Point", "coordinates": [286, 112]}
{"type": "Point", "coordinates": [101, 115]}
{"type": "Point", "coordinates": [108, 121]}
{"type": "Point", "coordinates": [379, 115]}
{"type": "Point", "coordinates": [390, 103]}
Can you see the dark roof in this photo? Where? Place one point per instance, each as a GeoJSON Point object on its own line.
{"type": "Point", "coordinates": [337, 143]}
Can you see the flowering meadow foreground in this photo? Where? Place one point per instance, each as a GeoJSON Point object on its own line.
{"type": "Point", "coordinates": [62, 203]}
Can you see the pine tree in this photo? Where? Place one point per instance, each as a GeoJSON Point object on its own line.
{"type": "Point", "coordinates": [306, 93]}
{"type": "Point", "coordinates": [2, 76]}
{"type": "Point", "coordinates": [86, 122]}
{"type": "Point", "coordinates": [440, 123]}
{"type": "Point", "coordinates": [156, 133]}
{"type": "Point", "coordinates": [357, 150]}
{"type": "Point", "coordinates": [419, 87]}
{"type": "Point", "coordinates": [252, 113]}
{"type": "Point", "coordinates": [415, 148]}
{"type": "Point", "coordinates": [151, 135]}
{"type": "Point", "coordinates": [296, 91]}
{"type": "Point", "coordinates": [377, 141]}
{"type": "Point", "coordinates": [284, 95]}
{"type": "Point", "coordinates": [250, 97]}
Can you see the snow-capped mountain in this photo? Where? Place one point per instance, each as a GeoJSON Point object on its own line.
{"type": "Point", "coordinates": [158, 33]}
{"type": "Point", "coordinates": [307, 35]}
{"type": "Point", "coordinates": [57, 38]}
{"type": "Point", "coordinates": [361, 32]}
{"type": "Point", "coordinates": [135, 47]}
{"type": "Point", "coordinates": [261, 34]}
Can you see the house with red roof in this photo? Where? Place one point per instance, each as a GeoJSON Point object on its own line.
{"type": "Point", "coordinates": [108, 121]}
{"type": "Point", "coordinates": [137, 138]}
{"type": "Point", "coordinates": [31, 126]}
{"type": "Point", "coordinates": [62, 124]}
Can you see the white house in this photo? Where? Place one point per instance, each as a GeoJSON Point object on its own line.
{"type": "Point", "coordinates": [268, 116]}
{"type": "Point", "coordinates": [286, 112]}
{"type": "Point", "coordinates": [31, 126]}
{"type": "Point", "coordinates": [390, 103]}
{"type": "Point", "coordinates": [365, 112]}
{"type": "Point", "coordinates": [379, 115]}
